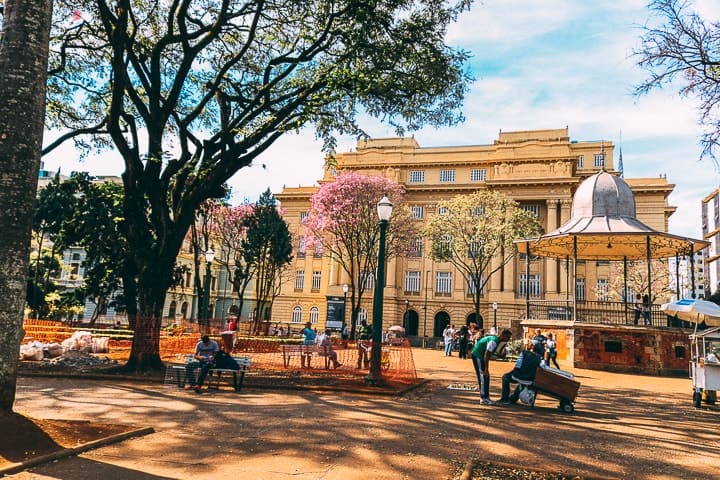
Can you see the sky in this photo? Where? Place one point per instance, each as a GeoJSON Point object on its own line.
{"type": "Point", "coordinates": [537, 65]}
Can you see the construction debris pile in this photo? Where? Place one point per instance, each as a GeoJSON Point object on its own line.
{"type": "Point", "coordinates": [73, 352]}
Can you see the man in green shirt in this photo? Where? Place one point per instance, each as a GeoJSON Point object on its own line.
{"type": "Point", "coordinates": [484, 348]}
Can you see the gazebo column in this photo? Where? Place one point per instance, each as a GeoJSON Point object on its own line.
{"type": "Point", "coordinates": [551, 264]}
{"type": "Point", "coordinates": [566, 287]}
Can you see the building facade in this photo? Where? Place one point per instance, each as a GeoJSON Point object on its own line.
{"type": "Point", "coordinates": [539, 169]}
{"type": "Point", "coordinates": [686, 271]}
{"type": "Point", "coordinates": [710, 211]}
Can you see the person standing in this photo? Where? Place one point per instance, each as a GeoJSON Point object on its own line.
{"type": "Point", "coordinates": [637, 308]}
{"type": "Point", "coordinates": [538, 342]}
{"type": "Point", "coordinates": [462, 338]}
{"type": "Point", "coordinates": [484, 348]}
{"type": "Point", "coordinates": [449, 338]}
{"type": "Point", "coordinates": [205, 351]}
{"type": "Point", "coordinates": [551, 350]}
{"type": "Point", "coordinates": [363, 344]}
{"type": "Point", "coordinates": [646, 309]}
{"type": "Point", "coordinates": [309, 336]}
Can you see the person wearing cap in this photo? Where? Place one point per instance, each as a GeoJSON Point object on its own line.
{"type": "Point", "coordinates": [309, 336]}
{"type": "Point", "coordinates": [203, 359]}
{"type": "Point", "coordinates": [324, 340]}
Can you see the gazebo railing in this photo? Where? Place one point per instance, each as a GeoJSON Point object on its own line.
{"type": "Point", "coordinates": [608, 313]}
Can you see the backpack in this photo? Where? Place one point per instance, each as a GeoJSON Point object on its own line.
{"type": "Point", "coordinates": [223, 360]}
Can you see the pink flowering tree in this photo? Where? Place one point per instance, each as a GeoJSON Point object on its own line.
{"type": "Point", "coordinates": [343, 219]}
{"type": "Point", "coordinates": [230, 230]}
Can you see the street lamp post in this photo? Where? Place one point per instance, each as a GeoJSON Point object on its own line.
{"type": "Point", "coordinates": [495, 316]}
{"type": "Point", "coordinates": [374, 377]}
{"type": "Point", "coordinates": [346, 287]}
{"type": "Point", "coordinates": [405, 316]}
{"type": "Point", "coordinates": [205, 307]}
{"type": "Point", "coordinates": [427, 273]}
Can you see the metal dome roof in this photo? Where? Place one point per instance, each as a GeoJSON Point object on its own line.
{"type": "Point", "coordinates": [603, 226]}
{"type": "Point", "coordinates": [603, 194]}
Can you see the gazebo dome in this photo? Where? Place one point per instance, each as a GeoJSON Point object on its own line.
{"type": "Point", "coordinates": [604, 195]}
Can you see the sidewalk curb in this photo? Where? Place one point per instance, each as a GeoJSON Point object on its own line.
{"type": "Point", "coordinates": [67, 452]}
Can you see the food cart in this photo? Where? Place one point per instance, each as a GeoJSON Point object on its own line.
{"type": "Point", "coordinates": [705, 365]}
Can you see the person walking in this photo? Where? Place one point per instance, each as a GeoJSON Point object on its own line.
{"type": "Point", "coordinates": [551, 351]}
{"type": "Point", "coordinates": [538, 342]}
{"type": "Point", "coordinates": [484, 348]}
{"type": "Point", "coordinates": [449, 338]}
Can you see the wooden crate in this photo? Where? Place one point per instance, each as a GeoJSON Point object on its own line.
{"type": "Point", "coordinates": [556, 384]}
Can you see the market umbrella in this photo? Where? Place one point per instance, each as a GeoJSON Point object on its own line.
{"type": "Point", "coordinates": [692, 310]}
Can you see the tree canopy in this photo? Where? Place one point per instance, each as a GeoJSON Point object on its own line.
{"type": "Point", "coordinates": [682, 51]}
{"type": "Point", "coordinates": [475, 233]}
{"type": "Point", "coordinates": [188, 92]}
{"type": "Point", "coordinates": [343, 221]}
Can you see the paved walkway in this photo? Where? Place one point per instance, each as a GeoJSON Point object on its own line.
{"type": "Point", "coordinates": [624, 426]}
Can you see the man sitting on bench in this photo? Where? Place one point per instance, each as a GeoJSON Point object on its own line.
{"type": "Point", "coordinates": [204, 357]}
{"type": "Point", "coordinates": [324, 341]}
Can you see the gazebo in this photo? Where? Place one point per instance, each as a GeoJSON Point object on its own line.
{"type": "Point", "coordinates": [603, 227]}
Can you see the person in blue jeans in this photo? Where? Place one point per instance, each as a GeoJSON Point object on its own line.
{"type": "Point", "coordinates": [203, 359]}
{"type": "Point", "coordinates": [484, 348]}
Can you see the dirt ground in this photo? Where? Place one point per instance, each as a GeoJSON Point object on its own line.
{"type": "Point", "coordinates": [624, 426]}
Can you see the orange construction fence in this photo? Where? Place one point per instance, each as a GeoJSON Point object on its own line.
{"type": "Point", "coordinates": [397, 362]}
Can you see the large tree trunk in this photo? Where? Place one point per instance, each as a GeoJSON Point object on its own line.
{"type": "Point", "coordinates": [23, 67]}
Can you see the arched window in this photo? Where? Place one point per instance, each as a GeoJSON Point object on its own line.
{"type": "Point", "coordinates": [314, 315]}
{"type": "Point", "coordinates": [173, 308]}
{"type": "Point", "coordinates": [362, 315]}
{"type": "Point", "coordinates": [184, 310]}
{"type": "Point", "coordinates": [297, 314]}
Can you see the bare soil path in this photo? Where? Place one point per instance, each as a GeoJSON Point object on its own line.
{"type": "Point", "coordinates": [624, 426]}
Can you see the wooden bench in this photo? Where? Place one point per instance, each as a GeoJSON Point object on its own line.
{"type": "Point", "coordinates": [215, 375]}
{"type": "Point", "coordinates": [307, 351]}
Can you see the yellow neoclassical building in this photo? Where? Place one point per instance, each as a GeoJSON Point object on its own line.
{"type": "Point", "coordinates": [540, 169]}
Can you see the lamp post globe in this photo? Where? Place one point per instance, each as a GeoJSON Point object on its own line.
{"type": "Point", "coordinates": [374, 377]}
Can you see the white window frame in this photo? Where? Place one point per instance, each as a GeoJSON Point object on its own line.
{"type": "Point", "coordinates": [416, 176]}
{"type": "Point", "coordinates": [299, 279]}
{"type": "Point", "coordinates": [447, 176]}
{"type": "Point", "coordinates": [599, 160]}
{"type": "Point", "coordinates": [534, 209]}
{"type": "Point", "coordinates": [296, 314]}
{"type": "Point", "coordinates": [471, 287]}
{"type": "Point", "coordinates": [443, 283]}
{"type": "Point", "coordinates": [412, 281]}
{"type": "Point", "coordinates": [478, 175]}
{"type": "Point", "coordinates": [533, 285]}
{"type": "Point", "coordinates": [316, 279]}
{"type": "Point", "coordinates": [303, 216]}
{"type": "Point", "coordinates": [362, 315]}
{"type": "Point", "coordinates": [443, 210]}
{"type": "Point", "coordinates": [314, 316]}
{"type": "Point", "coordinates": [478, 211]}
{"type": "Point", "coordinates": [302, 246]}
{"type": "Point", "coordinates": [581, 161]}
{"type": "Point", "coordinates": [603, 290]}
{"type": "Point", "coordinates": [368, 280]}
{"type": "Point", "coordinates": [580, 289]}
{"type": "Point", "coordinates": [418, 212]}
{"type": "Point", "coordinates": [416, 247]}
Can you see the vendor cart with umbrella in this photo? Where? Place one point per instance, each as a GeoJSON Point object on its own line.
{"type": "Point", "coordinates": [704, 345]}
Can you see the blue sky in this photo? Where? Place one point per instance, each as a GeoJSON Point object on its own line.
{"type": "Point", "coordinates": [537, 65]}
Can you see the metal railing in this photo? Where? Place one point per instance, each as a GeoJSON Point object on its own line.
{"type": "Point", "coordinates": [608, 313]}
